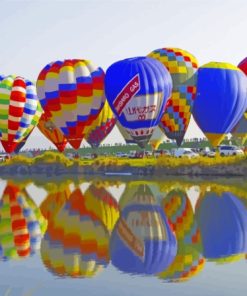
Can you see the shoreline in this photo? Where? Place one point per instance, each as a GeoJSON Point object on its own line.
{"type": "Point", "coordinates": [51, 170]}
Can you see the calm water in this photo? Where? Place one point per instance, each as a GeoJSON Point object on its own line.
{"type": "Point", "coordinates": [122, 238]}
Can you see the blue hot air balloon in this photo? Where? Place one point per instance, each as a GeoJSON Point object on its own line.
{"type": "Point", "coordinates": [142, 241]}
{"type": "Point", "coordinates": [222, 220]}
{"type": "Point", "coordinates": [221, 99]}
{"type": "Point", "coordinates": [137, 90]}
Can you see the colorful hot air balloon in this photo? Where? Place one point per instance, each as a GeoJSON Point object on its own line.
{"type": "Point", "coordinates": [30, 129]}
{"type": "Point", "coordinates": [21, 224]}
{"type": "Point", "coordinates": [52, 133]}
{"type": "Point", "coordinates": [100, 127]}
{"type": "Point", "coordinates": [221, 99]}
{"type": "Point", "coordinates": [72, 92]}
{"type": "Point", "coordinates": [76, 243]}
{"type": "Point", "coordinates": [182, 66]}
{"type": "Point", "coordinates": [222, 220]}
{"type": "Point", "coordinates": [137, 90]}
{"type": "Point", "coordinates": [142, 241]}
{"type": "Point", "coordinates": [18, 105]}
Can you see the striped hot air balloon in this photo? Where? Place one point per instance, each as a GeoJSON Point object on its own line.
{"type": "Point", "coordinates": [18, 105]}
{"type": "Point", "coordinates": [100, 127]}
{"type": "Point", "coordinates": [182, 66]}
{"type": "Point", "coordinates": [72, 93]}
{"type": "Point", "coordinates": [221, 99]}
{"type": "Point", "coordinates": [142, 241]}
{"type": "Point", "coordinates": [137, 90]}
{"type": "Point", "coordinates": [21, 224]}
{"type": "Point", "coordinates": [29, 131]}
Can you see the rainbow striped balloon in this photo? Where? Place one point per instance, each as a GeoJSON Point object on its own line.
{"type": "Point", "coordinates": [72, 92]}
{"type": "Point", "coordinates": [100, 127]}
{"type": "Point", "coordinates": [29, 130]}
{"type": "Point", "coordinates": [18, 106]}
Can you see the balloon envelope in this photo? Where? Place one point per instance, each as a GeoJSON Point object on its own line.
{"type": "Point", "coordinates": [137, 90]}
{"type": "Point", "coordinates": [182, 66]}
{"type": "Point", "coordinates": [72, 93]}
{"type": "Point", "coordinates": [18, 105]}
{"type": "Point", "coordinates": [221, 99]}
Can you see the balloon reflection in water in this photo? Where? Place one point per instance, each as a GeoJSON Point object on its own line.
{"type": "Point", "coordinates": [222, 219]}
{"type": "Point", "coordinates": [142, 241]}
{"type": "Point", "coordinates": [21, 224]}
{"type": "Point", "coordinates": [189, 260]}
{"type": "Point", "coordinates": [101, 202]}
{"type": "Point", "coordinates": [53, 202]}
{"type": "Point", "coordinates": [76, 243]}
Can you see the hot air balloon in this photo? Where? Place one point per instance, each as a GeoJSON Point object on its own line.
{"type": "Point", "coordinates": [30, 129]}
{"type": "Point", "coordinates": [18, 105]}
{"type": "Point", "coordinates": [142, 241]}
{"type": "Point", "coordinates": [239, 132]}
{"type": "Point", "coordinates": [221, 99]}
{"type": "Point", "coordinates": [76, 243]}
{"type": "Point", "coordinates": [52, 133]}
{"type": "Point", "coordinates": [100, 127]}
{"type": "Point", "coordinates": [182, 66]}
{"type": "Point", "coordinates": [72, 93]}
{"type": "Point", "coordinates": [137, 90]}
{"type": "Point", "coordinates": [222, 220]}
{"type": "Point", "coordinates": [21, 224]}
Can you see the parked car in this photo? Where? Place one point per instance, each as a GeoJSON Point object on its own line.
{"type": "Point", "coordinates": [184, 152]}
{"type": "Point", "coordinates": [121, 154]}
{"type": "Point", "coordinates": [136, 154]}
{"type": "Point", "coordinates": [226, 150]}
{"type": "Point", "coordinates": [89, 156]}
{"type": "Point", "coordinates": [208, 152]}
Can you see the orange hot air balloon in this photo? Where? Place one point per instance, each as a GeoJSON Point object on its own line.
{"type": "Point", "coordinates": [52, 133]}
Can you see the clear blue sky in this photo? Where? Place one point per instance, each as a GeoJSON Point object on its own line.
{"type": "Point", "coordinates": [34, 33]}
